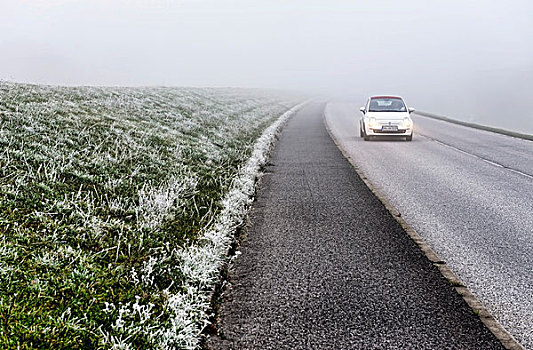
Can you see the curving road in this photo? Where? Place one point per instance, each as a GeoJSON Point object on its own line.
{"type": "Point", "coordinates": [469, 193]}
{"type": "Point", "coordinates": [324, 265]}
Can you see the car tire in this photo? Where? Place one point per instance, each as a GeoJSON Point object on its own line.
{"type": "Point", "coordinates": [409, 138]}
{"type": "Point", "coordinates": [361, 133]}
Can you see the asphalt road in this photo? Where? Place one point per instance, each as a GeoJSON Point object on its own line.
{"type": "Point", "coordinates": [326, 266]}
{"type": "Point", "coordinates": [469, 193]}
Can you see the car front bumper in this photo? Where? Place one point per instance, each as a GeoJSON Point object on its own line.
{"type": "Point", "coordinates": [380, 132]}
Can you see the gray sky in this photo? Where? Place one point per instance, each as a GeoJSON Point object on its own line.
{"type": "Point", "coordinates": [435, 53]}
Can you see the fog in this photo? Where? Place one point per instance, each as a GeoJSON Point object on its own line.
{"type": "Point", "coordinates": [470, 60]}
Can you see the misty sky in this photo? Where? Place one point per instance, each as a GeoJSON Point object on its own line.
{"type": "Point", "coordinates": [471, 59]}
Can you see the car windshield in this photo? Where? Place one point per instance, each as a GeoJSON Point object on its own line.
{"type": "Point", "coordinates": [386, 104]}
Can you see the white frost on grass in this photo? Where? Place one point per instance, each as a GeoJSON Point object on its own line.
{"type": "Point", "coordinates": [202, 264]}
{"type": "Point", "coordinates": [6, 253]}
{"type": "Point", "coordinates": [91, 177]}
{"type": "Point", "coordinates": [156, 203]}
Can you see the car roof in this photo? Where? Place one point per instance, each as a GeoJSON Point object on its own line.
{"type": "Point", "coordinates": [386, 96]}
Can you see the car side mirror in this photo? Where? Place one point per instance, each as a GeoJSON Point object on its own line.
{"type": "Point", "coordinates": [363, 110]}
{"type": "Point", "coordinates": [411, 109]}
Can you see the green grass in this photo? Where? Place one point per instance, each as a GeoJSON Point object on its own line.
{"type": "Point", "coordinates": [100, 188]}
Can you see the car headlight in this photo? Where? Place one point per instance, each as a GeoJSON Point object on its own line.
{"type": "Point", "coordinates": [407, 123]}
{"type": "Point", "coordinates": [373, 123]}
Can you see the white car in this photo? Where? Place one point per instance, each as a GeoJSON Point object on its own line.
{"type": "Point", "coordinates": [386, 116]}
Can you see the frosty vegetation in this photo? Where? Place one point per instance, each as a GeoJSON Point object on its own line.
{"type": "Point", "coordinates": [117, 206]}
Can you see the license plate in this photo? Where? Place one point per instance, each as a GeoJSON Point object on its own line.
{"type": "Point", "coordinates": [389, 128]}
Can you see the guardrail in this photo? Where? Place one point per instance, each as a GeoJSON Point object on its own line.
{"type": "Point", "coordinates": [476, 126]}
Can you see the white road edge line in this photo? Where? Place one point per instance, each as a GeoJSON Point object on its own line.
{"type": "Point", "coordinates": [476, 156]}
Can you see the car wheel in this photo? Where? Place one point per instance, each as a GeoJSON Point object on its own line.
{"type": "Point", "coordinates": [409, 138]}
{"type": "Point", "coordinates": [361, 134]}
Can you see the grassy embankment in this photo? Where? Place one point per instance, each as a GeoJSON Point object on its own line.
{"type": "Point", "coordinates": [101, 190]}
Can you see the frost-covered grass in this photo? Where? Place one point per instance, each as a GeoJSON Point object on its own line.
{"type": "Point", "coordinates": [116, 207]}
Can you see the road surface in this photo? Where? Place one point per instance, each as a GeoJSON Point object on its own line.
{"type": "Point", "coordinates": [469, 193]}
{"type": "Point", "coordinates": [326, 266]}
